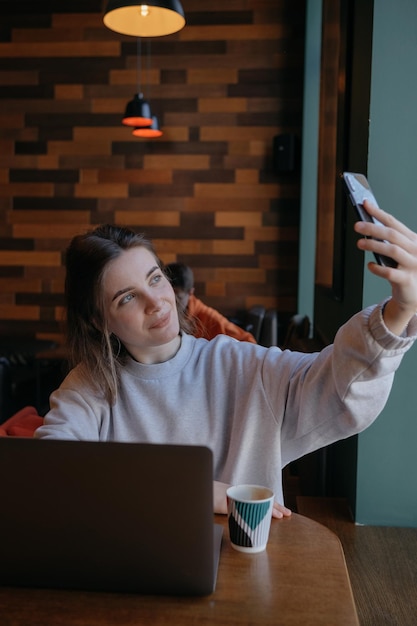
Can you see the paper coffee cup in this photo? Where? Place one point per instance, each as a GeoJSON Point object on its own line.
{"type": "Point", "coordinates": [249, 512]}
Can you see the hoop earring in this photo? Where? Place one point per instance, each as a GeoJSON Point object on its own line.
{"type": "Point", "coordinates": [119, 346]}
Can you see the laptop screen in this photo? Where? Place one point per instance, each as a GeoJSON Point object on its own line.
{"type": "Point", "coordinates": [107, 516]}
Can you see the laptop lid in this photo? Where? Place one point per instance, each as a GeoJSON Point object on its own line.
{"type": "Point", "coordinates": [107, 516]}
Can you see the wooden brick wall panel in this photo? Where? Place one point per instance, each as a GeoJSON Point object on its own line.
{"type": "Point", "coordinates": [99, 133]}
{"type": "Point", "coordinates": [49, 230]}
{"type": "Point", "coordinates": [215, 75]}
{"type": "Point", "coordinates": [22, 258]}
{"type": "Point", "coordinates": [211, 265]}
{"type": "Point", "coordinates": [8, 161]}
{"type": "Point", "coordinates": [178, 162]}
{"type": "Point", "coordinates": [147, 218]}
{"type": "Point", "coordinates": [206, 191]}
{"type": "Point", "coordinates": [48, 161]}
{"type": "Point", "coordinates": [145, 203]}
{"type": "Point", "coordinates": [236, 190]}
{"type": "Point", "coordinates": [202, 119]}
{"type": "Point", "coordinates": [238, 219]}
{"type": "Point", "coordinates": [59, 49]}
{"type": "Point", "coordinates": [8, 285]}
{"type": "Point", "coordinates": [21, 313]}
{"type": "Point", "coordinates": [235, 133]}
{"type": "Point", "coordinates": [184, 97]}
{"type": "Point", "coordinates": [64, 33]}
{"type": "Point", "coordinates": [18, 78]}
{"type": "Point", "coordinates": [89, 176]}
{"type": "Point", "coordinates": [247, 175]}
{"type": "Point", "coordinates": [233, 248]}
{"type": "Point", "coordinates": [91, 160]}
{"type": "Point", "coordinates": [24, 189]}
{"type": "Point", "coordinates": [68, 92]}
{"type": "Point", "coordinates": [80, 147]}
{"type": "Point", "coordinates": [102, 190]}
{"type": "Point", "coordinates": [48, 274]}
{"type": "Point", "coordinates": [155, 176]}
{"type": "Point", "coordinates": [215, 289]}
{"type": "Point", "coordinates": [225, 204]}
{"type": "Point", "coordinates": [170, 247]}
{"type": "Point", "coordinates": [269, 233]}
{"type": "Point", "coordinates": [222, 105]}
{"type": "Point", "coordinates": [239, 275]}
{"type": "Point", "coordinates": [230, 32]}
{"type": "Point", "coordinates": [87, 20]}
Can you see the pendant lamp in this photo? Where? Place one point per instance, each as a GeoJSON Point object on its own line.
{"type": "Point", "coordinates": [138, 110]}
{"type": "Point", "coordinates": [149, 131]}
{"type": "Point", "coordinates": [154, 19]}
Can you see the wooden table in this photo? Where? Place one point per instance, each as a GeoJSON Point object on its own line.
{"type": "Point", "coordinates": [301, 579]}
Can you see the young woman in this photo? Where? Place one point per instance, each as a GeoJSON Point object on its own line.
{"type": "Point", "coordinates": [139, 376]}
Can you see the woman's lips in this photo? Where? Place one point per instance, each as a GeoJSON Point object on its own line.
{"type": "Point", "coordinates": [161, 321]}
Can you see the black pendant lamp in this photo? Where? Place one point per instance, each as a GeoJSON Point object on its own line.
{"type": "Point", "coordinates": [138, 112]}
{"type": "Point", "coordinates": [152, 130]}
{"type": "Point", "coordinates": [153, 19]}
{"type": "Point", "coordinates": [149, 132]}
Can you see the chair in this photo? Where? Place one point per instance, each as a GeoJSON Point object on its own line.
{"type": "Point", "coordinates": [262, 323]}
{"type": "Point", "coordinates": [6, 403]}
{"type": "Point", "coordinates": [298, 329]}
{"type": "Point", "coordinates": [269, 329]}
{"type": "Point", "coordinates": [298, 335]}
{"type": "Point", "coordinates": [254, 320]}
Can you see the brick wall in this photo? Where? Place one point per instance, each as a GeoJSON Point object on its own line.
{"type": "Point", "coordinates": [206, 192]}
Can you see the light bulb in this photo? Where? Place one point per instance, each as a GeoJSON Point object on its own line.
{"type": "Point", "coordinates": [144, 10]}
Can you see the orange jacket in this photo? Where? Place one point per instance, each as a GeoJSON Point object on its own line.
{"type": "Point", "coordinates": [210, 322]}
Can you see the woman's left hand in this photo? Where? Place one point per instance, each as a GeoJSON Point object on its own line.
{"type": "Point", "coordinates": [400, 243]}
{"type": "Point", "coordinates": [220, 502]}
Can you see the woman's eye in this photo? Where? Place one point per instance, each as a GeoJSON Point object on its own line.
{"type": "Point", "coordinates": [156, 278]}
{"type": "Point", "coordinates": [127, 298]}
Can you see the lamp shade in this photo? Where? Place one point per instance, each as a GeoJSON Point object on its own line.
{"type": "Point", "coordinates": [149, 131]}
{"type": "Point", "coordinates": [138, 112]}
{"type": "Point", "coordinates": [156, 18]}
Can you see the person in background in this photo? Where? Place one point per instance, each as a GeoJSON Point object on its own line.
{"type": "Point", "coordinates": [207, 322]}
{"type": "Point", "coordinates": [139, 376]}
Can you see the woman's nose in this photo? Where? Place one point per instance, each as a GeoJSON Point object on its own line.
{"type": "Point", "coordinates": [152, 303]}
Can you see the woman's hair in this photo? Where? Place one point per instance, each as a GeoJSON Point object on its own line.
{"type": "Point", "coordinates": [88, 337]}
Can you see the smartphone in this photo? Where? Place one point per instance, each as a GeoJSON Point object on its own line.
{"type": "Point", "coordinates": [358, 190]}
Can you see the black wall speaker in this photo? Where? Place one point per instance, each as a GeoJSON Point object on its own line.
{"type": "Point", "coordinates": [285, 153]}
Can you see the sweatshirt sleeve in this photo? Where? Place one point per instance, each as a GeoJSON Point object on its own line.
{"type": "Point", "coordinates": [76, 413]}
{"type": "Point", "coordinates": [340, 391]}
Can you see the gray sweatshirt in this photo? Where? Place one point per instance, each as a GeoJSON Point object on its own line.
{"type": "Point", "coordinates": [257, 408]}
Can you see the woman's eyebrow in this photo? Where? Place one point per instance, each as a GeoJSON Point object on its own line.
{"type": "Point", "coordinates": [120, 292]}
{"type": "Point", "coordinates": [125, 289]}
{"type": "Point", "coordinates": [151, 271]}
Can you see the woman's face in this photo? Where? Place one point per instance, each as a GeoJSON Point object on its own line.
{"type": "Point", "coordinates": [140, 306]}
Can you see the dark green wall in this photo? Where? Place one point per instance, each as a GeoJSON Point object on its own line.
{"type": "Point", "coordinates": [387, 459]}
{"type": "Point", "coordinates": [377, 470]}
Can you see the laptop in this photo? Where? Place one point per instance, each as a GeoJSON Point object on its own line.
{"type": "Point", "coordinates": [122, 517]}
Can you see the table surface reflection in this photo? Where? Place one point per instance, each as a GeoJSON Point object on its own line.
{"type": "Point", "coordinates": [300, 579]}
